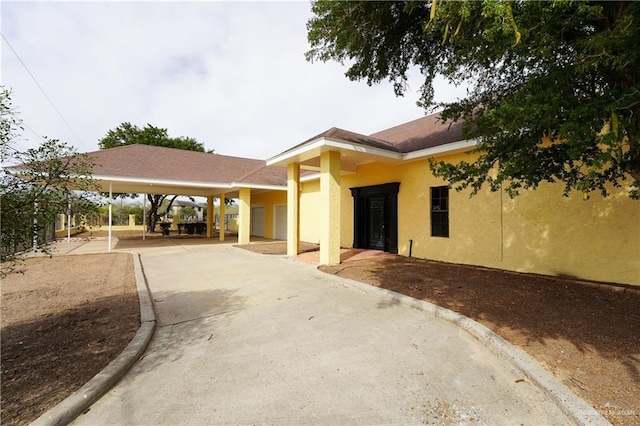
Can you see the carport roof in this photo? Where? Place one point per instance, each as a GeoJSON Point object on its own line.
{"type": "Point", "coordinates": [153, 169]}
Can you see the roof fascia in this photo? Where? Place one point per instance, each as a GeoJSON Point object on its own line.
{"type": "Point", "coordinates": [238, 185]}
{"type": "Point", "coordinates": [161, 182]}
{"type": "Point", "coordinates": [441, 149]}
{"type": "Point", "coordinates": [333, 143]}
{"type": "Point", "coordinates": [356, 147]}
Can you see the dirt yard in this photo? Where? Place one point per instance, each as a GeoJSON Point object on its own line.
{"type": "Point", "coordinates": [63, 320]}
{"type": "Point", "coordinates": [66, 318]}
{"type": "Point", "coordinates": [586, 334]}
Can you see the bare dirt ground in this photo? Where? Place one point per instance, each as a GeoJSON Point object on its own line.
{"type": "Point", "coordinates": [63, 320]}
{"type": "Point", "coordinates": [586, 334]}
{"type": "Point", "coordinates": [66, 318]}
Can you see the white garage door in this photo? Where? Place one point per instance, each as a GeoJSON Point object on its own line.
{"type": "Point", "coordinates": [257, 221]}
{"type": "Point", "coordinates": [281, 222]}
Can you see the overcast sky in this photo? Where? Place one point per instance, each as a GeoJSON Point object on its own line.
{"type": "Point", "coordinates": [230, 74]}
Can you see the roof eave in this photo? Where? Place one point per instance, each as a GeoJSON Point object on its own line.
{"type": "Point", "coordinates": [238, 185]}
{"type": "Point", "coordinates": [160, 182]}
{"type": "Point", "coordinates": [316, 147]}
{"type": "Point", "coordinates": [440, 150]}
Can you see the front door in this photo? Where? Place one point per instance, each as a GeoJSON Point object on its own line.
{"type": "Point", "coordinates": [375, 220]}
{"type": "Point", "coordinates": [375, 235]}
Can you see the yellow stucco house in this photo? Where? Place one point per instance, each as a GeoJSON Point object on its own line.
{"type": "Point", "coordinates": [378, 192]}
{"type": "Point", "coordinates": [342, 189]}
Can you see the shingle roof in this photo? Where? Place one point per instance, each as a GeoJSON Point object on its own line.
{"type": "Point", "coordinates": [153, 162]}
{"type": "Point", "coordinates": [265, 176]}
{"type": "Point", "coordinates": [425, 132]}
{"type": "Point", "coordinates": [346, 135]}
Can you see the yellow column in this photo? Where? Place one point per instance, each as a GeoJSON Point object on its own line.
{"type": "Point", "coordinates": [210, 215]}
{"type": "Point", "coordinates": [221, 215]}
{"type": "Point", "coordinates": [293, 209]}
{"type": "Point", "coordinates": [330, 205]}
{"type": "Point", "coordinates": [244, 216]}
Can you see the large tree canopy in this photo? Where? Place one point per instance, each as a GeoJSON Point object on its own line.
{"type": "Point", "coordinates": [128, 134]}
{"type": "Point", "coordinates": [554, 86]}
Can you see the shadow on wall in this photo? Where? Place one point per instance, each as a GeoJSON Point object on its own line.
{"type": "Point", "coordinates": [596, 239]}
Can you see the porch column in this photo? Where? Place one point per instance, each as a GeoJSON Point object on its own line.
{"type": "Point", "coordinates": [222, 214]}
{"type": "Point", "coordinates": [210, 214]}
{"type": "Point", "coordinates": [68, 224]}
{"type": "Point", "coordinates": [244, 216]}
{"type": "Point", "coordinates": [330, 206]}
{"type": "Point", "coordinates": [293, 209]}
{"type": "Point", "coordinates": [110, 213]}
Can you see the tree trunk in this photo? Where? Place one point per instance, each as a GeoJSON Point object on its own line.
{"type": "Point", "coordinates": [154, 214]}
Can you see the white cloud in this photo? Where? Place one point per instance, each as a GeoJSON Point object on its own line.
{"type": "Point", "coordinates": [232, 75]}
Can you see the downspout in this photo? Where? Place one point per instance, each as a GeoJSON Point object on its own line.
{"type": "Point", "coordinates": [68, 218]}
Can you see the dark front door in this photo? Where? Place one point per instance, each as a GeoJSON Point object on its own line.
{"type": "Point", "coordinates": [376, 217]}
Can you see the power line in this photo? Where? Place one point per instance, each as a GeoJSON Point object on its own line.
{"type": "Point", "coordinates": [43, 91]}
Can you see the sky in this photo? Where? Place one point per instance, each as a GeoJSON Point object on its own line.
{"type": "Point", "coordinates": [230, 74]}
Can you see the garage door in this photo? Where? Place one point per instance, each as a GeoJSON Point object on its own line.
{"type": "Point", "coordinates": [257, 221]}
{"type": "Point", "coordinates": [281, 222]}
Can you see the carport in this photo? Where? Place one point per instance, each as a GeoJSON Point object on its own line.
{"type": "Point", "coordinates": [145, 169]}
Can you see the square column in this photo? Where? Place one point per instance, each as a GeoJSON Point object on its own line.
{"type": "Point", "coordinates": [244, 216]}
{"type": "Point", "coordinates": [293, 209]}
{"type": "Point", "coordinates": [222, 213]}
{"type": "Point", "coordinates": [210, 214]}
{"type": "Point", "coordinates": [330, 205]}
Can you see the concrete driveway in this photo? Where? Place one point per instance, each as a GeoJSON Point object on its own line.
{"type": "Point", "coordinates": [244, 338]}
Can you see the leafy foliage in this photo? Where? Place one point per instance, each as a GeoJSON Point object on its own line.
{"type": "Point", "coordinates": [128, 134]}
{"type": "Point", "coordinates": [46, 181]}
{"type": "Point", "coordinates": [554, 86]}
{"type": "Point", "coordinates": [187, 212]}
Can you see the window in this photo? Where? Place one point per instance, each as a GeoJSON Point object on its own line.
{"type": "Point", "coordinates": [439, 211]}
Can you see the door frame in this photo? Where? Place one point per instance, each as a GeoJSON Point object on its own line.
{"type": "Point", "coordinates": [361, 195]}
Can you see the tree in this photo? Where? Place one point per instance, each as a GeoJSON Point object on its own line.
{"type": "Point", "coordinates": [128, 134]}
{"type": "Point", "coordinates": [554, 86]}
{"type": "Point", "coordinates": [44, 181]}
{"type": "Point", "coordinates": [187, 212]}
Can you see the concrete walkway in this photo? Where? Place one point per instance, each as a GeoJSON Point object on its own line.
{"type": "Point", "coordinates": [245, 338]}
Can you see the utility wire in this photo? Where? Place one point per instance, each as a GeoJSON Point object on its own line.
{"type": "Point", "coordinates": [42, 90]}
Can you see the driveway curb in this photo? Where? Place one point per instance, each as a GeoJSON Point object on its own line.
{"type": "Point", "coordinates": [76, 403]}
{"type": "Point", "coordinates": [571, 405]}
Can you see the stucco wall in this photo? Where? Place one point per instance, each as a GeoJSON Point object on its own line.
{"type": "Point", "coordinates": [540, 231]}
{"type": "Point", "coordinates": [310, 212]}
{"type": "Point", "coordinates": [269, 200]}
